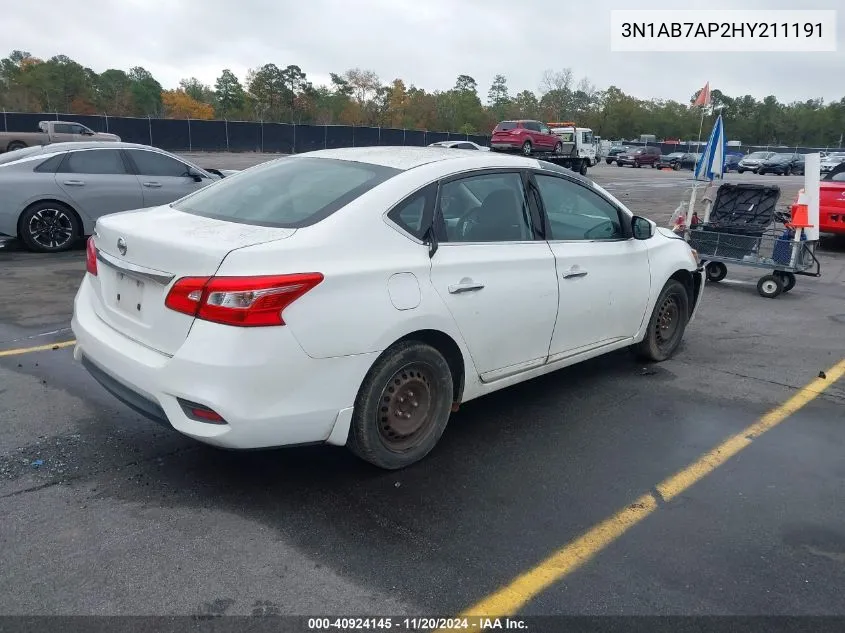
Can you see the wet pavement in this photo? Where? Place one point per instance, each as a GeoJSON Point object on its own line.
{"type": "Point", "coordinates": [106, 513]}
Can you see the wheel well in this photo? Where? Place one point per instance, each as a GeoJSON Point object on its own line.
{"type": "Point", "coordinates": [75, 213]}
{"type": "Point", "coordinates": [685, 277]}
{"type": "Point", "coordinates": [444, 344]}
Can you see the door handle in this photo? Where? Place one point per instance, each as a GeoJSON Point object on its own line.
{"type": "Point", "coordinates": [466, 285]}
{"type": "Point", "coordinates": [75, 183]}
{"type": "Point", "coordinates": [152, 185]}
{"type": "Point", "coordinates": [572, 273]}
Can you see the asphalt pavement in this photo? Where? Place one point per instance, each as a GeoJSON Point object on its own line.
{"type": "Point", "coordinates": [105, 513]}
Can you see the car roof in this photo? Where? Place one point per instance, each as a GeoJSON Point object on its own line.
{"type": "Point", "coordinates": [72, 145]}
{"type": "Point", "coordinates": [404, 158]}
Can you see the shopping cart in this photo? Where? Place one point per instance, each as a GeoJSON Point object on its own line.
{"type": "Point", "coordinates": [743, 228]}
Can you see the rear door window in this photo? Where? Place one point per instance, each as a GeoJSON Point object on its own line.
{"type": "Point", "coordinates": [289, 192]}
{"type": "Point", "coordinates": [100, 161]}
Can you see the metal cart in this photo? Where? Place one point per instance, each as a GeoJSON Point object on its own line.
{"type": "Point", "coordinates": [775, 250]}
{"type": "Point", "coordinates": [743, 228]}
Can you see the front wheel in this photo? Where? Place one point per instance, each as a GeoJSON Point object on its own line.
{"type": "Point", "coordinates": [667, 324]}
{"type": "Point", "coordinates": [608, 161]}
{"type": "Point", "coordinates": [49, 227]}
{"type": "Point", "coordinates": [676, 166]}
{"type": "Point", "coordinates": [402, 407]}
{"type": "Point", "coordinates": [583, 169]}
{"type": "Point", "coordinates": [770, 286]}
{"type": "Point", "coordinates": [636, 164]}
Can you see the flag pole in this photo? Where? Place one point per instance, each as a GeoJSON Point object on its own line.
{"type": "Point", "coordinates": [705, 102]}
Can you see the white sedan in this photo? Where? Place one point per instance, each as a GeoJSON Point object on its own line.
{"type": "Point", "coordinates": [358, 296]}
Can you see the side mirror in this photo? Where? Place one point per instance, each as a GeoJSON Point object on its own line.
{"type": "Point", "coordinates": [641, 228]}
{"type": "Point", "coordinates": [193, 173]}
{"type": "Point", "coordinates": [87, 133]}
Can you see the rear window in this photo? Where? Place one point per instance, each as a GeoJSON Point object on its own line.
{"type": "Point", "coordinates": [506, 125]}
{"type": "Point", "coordinates": [289, 192]}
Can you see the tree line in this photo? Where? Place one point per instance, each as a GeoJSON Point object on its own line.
{"type": "Point", "coordinates": [359, 97]}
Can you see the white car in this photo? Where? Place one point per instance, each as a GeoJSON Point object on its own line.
{"type": "Point", "coordinates": [460, 145]}
{"type": "Point", "coordinates": [358, 296]}
{"type": "Point", "coordinates": [830, 161]}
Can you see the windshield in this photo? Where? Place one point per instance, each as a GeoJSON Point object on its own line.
{"type": "Point", "coordinates": [782, 157]}
{"type": "Point", "coordinates": [675, 155]}
{"type": "Point", "coordinates": [288, 192]}
{"type": "Point", "coordinates": [758, 155]}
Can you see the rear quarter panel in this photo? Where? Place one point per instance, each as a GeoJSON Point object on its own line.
{"type": "Point", "coordinates": [21, 189]}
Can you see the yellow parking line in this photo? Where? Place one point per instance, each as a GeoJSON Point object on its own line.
{"type": "Point", "coordinates": [38, 348]}
{"type": "Point", "coordinates": [510, 598]}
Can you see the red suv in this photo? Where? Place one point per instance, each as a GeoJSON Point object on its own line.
{"type": "Point", "coordinates": [525, 136]}
{"type": "Point", "coordinates": [648, 155]}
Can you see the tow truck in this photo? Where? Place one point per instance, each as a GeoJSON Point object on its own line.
{"type": "Point", "coordinates": [561, 143]}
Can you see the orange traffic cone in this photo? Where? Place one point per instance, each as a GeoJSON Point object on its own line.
{"type": "Point", "coordinates": [800, 212]}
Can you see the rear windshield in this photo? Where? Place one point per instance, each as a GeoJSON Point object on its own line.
{"type": "Point", "coordinates": [758, 155]}
{"type": "Point", "coordinates": [507, 125]}
{"type": "Point", "coordinates": [290, 192]}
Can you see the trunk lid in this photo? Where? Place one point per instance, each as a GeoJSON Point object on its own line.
{"type": "Point", "coordinates": [142, 253]}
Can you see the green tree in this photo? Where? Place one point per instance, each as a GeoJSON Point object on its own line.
{"type": "Point", "coordinates": [497, 97]}
{"type": "Point", "coordinates": [230, 94]}
{"type": "Point", "coordinates": [146, 92]}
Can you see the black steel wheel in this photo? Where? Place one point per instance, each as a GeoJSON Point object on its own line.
{"type": "Point", "coordinates": [716, 271]}
{"type": "Point", "coordinates": [770, 286]}
{"type": "Point", "coordinates": [787, 279]}
{"type": "Point", "coordinates": [402, 407]}
{"type": "Point", "coordinates": [49, 227]}
{"type": "Point", "coordinates": [667, 324]}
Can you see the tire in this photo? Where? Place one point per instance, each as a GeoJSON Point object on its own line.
{"type": "Point", "coordinates": [787, 171]}
{"type": "Point", "coordinates": [787, 279]}
{"type": "Point", "coordinates": [676, 166]}
{"type": "Point", "coordinates": [526, 148]}
{"type": "Point", "coordinates": [405, 376]}
{"type": "Point", "coordinates": [608, 161]}
{"type": "Point", "coordinates": [60, 225]}
{"type": "Point", "coordinates": [769, 286]}
{"type": "Point", "coordinates": [740, 171]}
{"type": "Point", "coordinates": [716, 271]}
{"type": "Point", "coordinates": [15, 145]}
{"type": "Point", "coordinates": [667, 324]}
{"type": "Point", "coordinates": [618, 164]}
{"type": "Point", "coordinates": [637, 165]}
{"type": "Point", "coordinates": [583, 168]}
{"type": "Point", "coordinates": [760, 172]}
{"type": "Point", "coordinates": [558, 149]}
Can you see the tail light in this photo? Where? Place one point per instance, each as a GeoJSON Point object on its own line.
{"type": "Point", "coordinates": [91, 257]}
{"type": "Point", "coordinates": [240, 301]}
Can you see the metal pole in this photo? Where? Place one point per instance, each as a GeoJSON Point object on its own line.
{"type": "Point", "coordinates": [262, 136]}
{"type": "Point", "coordinates": [226, 125]}
{"type": "Point", "coordinates": [190, 142]}
{"type": "Point", "coordinates": [325, 136]}
{"type": "Point", "coordinates": [293, 148]}
{"type": "Point", "coordinates": [5, 125]}
{"type": "Point", "coordinates": [403, 137]}
{"type": "Point", "coordinates": [150, 125]}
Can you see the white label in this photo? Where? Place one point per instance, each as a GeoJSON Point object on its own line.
{"type": "Point", "coordinates": [725, 31]}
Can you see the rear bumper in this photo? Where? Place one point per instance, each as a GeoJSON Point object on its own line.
{"type": "Point", "coordinates": [505, 145]}
{"type": "Point", "coordinates": [266, 388]}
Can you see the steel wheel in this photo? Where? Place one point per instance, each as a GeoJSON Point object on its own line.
{"type": "Point", "coordinates": [667, 322]}
{"type": "Point", "coordinates": [405, 413]}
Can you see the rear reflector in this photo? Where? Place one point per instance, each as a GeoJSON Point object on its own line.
{"type": "Point", "coordinates": [200, 413]}
{"type": "Point", "coordinates": [240, 301]}
{"type": "Point", "coordinates": [91, 257]}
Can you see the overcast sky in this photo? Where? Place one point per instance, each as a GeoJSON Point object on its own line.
{"type": "Point", "coordinates": [425, 42]}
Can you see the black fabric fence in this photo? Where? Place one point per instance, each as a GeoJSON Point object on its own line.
{"type": "Point", "coordinates": [237, 136]}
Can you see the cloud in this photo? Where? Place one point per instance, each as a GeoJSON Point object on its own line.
{"type": "Point", "coordinates": [427, 43]}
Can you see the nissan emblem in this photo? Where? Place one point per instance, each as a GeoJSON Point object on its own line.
{"type": "Point", "coordinates": [121, 245]}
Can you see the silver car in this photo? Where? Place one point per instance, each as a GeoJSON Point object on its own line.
{"type": "Point", "coordinates": [51, 196]}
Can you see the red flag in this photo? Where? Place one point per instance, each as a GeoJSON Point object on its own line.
{"type": "Point", "coordinates": [703, 97]}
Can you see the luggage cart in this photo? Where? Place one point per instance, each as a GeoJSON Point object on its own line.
{"type": "Point", "coordinates": [742, 229]}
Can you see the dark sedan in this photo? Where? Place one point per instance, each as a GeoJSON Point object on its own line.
{"type": "Point", "coordinates": [672, 160]}
{"type": "Point", "coordinates": [613, 152]}
{"type": "Point", "coordinates": [782, 165]}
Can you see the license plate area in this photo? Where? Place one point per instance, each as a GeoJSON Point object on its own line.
{"type": "Point", "coordinates": [127, 295]}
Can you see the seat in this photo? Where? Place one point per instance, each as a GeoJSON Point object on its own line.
{"type": "Point", "coordinates": [498, 219]}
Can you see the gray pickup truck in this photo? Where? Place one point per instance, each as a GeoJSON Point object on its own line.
{"type": "Point", "coordinates": [52, 132]}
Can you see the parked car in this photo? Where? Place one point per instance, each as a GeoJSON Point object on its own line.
{"type": "Point", "coordinates": [52, 132]}
{"type": "Point", "coordinates": [831, 160]}
{"type": "Point", "coordinates": [672, 160]}
{"type": "Point", "coordinates": [752, 161]}
{"type": "Point", "coordinates": [460, 145]}
{"type": "Point", "coordinates": [613, 152]}
{"type": "Point", "coordinates": [53, 195]}
{"type": "Point", "coordinates": [640, 156]}
{"type": "Point", "coordinates": [732, 162]}
{"type": "Point", "coordinates": [526, 136]}
{"type": "Point", "coordinates": [782, 164]}
{"type": "Point", "coordinates": [831, 201]}
{"type": "Point", "coordinates": [245, 316]}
